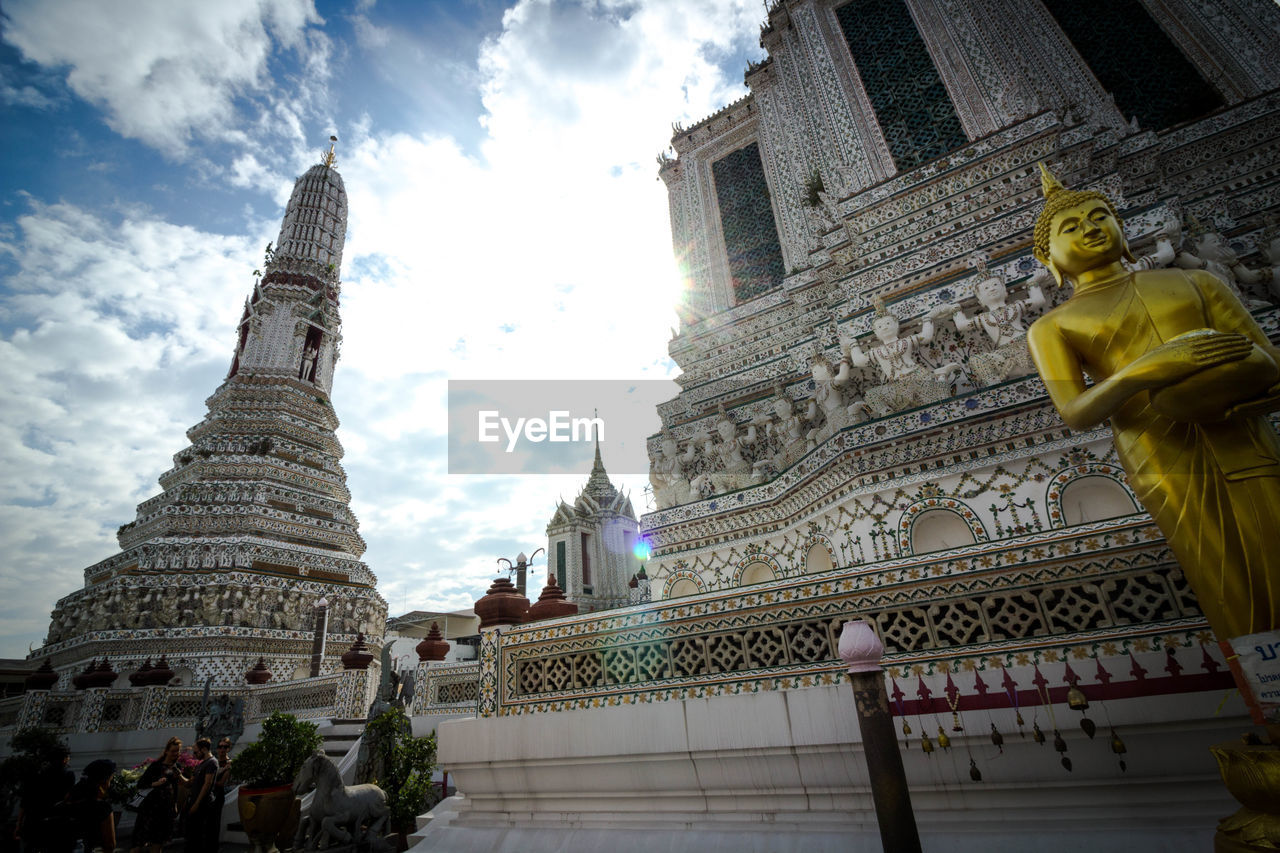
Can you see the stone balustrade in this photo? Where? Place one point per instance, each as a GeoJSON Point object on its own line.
{"type": "Point", "coordinates": [446, 688]}
{"type": "Point", "coordinates": [1091, 591]}
{"type": "Point", "coordinates": [339, 695]}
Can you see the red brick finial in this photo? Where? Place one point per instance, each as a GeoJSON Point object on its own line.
{"type": "Point", "coordinates": [434, 647]}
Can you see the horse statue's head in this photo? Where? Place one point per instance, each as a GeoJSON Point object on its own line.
{"type": "Point", "coordinates": [313, 770]}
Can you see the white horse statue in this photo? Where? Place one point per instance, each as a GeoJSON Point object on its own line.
{"type": "Point", "coordinates": [347, 814]}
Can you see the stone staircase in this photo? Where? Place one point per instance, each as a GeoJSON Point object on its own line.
{"type": "Point", "coordinates": [339, 736]}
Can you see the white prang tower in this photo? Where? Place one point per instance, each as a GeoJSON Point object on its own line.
{"type": "Point", "coordinates": [253, 529]}
{"type": "Point", "coordinates": [591, 543]}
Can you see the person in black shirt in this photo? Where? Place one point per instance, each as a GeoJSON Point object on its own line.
{"type": "Point", "coordinates": [202, 825]}
{"type": "Point", "coordinates": [221, 784]}
{"type": "Point", "coordinates": [86, 815]}
{"type": "Point", "coordinates": [160, 782]}
{"type": "Point", "coordinates": [39, 798]}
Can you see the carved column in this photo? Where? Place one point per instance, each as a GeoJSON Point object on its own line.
{"type": "Point", "coordinates": [861, 650]}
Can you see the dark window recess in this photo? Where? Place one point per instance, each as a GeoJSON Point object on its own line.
{"type": "Point", "coordinates": [1136, 61]}
{"type": "Point", "coordinates": [912, 106]}
{"type": "Point", "coordinates": [750, 235]}
{"type": "Point", "coordinates": [560, 578]}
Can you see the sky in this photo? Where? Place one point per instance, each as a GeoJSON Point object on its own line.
{"type": "Point", "coordinates": [506, 222]}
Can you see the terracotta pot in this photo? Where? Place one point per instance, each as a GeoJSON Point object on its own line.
{"type": "Point", "coordinates": [269, 816]}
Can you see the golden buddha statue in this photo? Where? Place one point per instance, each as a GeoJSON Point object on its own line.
{"type": "Point", "coordinates": [1185, 376]}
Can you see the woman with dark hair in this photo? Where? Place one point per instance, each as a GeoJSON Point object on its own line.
{"type": "Point", "coordinates": [86, 815]}
{"type": "Point", "coordinates": [40, 796]}
{"type": "Point", "coordinates": [160, 783]}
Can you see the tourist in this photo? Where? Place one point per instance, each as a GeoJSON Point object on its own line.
{"type": "Point", "coordinates": [202, 822]}
{"type": "Point", "coordinates": [49, 787]}
{"type": "Point", "coordinates": [221, 784]}
{"type": "Point", "coordinates": [160, 783]}
{"type": "Point", "coordinates": [85, 816]}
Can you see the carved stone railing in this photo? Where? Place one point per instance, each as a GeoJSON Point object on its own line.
{"type": "Point", "coordinates": [446, 688]}
{"type": "Point", "coordinates": [338, 695]}
{"type": "Point", "coordinates": [991, 604]}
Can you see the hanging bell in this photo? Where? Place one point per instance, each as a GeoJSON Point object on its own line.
{"type": "Point", "coordinates": [906, 727]}
{"type": "Point", "coordinates": [1018, 719]}
{"type": "Point", "coordinates": [974, 773]}
{"type": "Point", "coordinates": [1058, 742]}
{"type": "Point", "coordinates": [1036, 734]}
{"type": "Point", "coordinates": [1066, 763]}
{"type": "Point", "coordinates": [1088, 726]}
{"type": "Point", "coordinates": [943, 740]}
{"type": "Point", "coordinates": [996, 737]}
{"type": "Point", "coordinates": [926, 744]}
{"type": "Point", "coordinates": [1118, 747]}
{"type": "Point", "coordinates": [1076, 700]}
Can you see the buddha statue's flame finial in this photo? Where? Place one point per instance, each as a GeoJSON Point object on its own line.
{"type": "Point", "coordinates": [331, 157]}
{"type": "Point", "coordinates": [882, 310]}
{"type": "Point", "coordinates": [1048, 183]}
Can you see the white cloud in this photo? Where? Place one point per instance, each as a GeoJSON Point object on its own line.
{"type": "Point", "coordinates": [545, 255]}
{"type": "Point", "coordinates": [165, 72]}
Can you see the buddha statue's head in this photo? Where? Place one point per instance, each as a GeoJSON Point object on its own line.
{"type": "Point", "coordinates": [1077, 231]}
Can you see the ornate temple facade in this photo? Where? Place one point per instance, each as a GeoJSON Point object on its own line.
{"type": "Point", "coordinates": [856, 235]}
{"type": "Point", "coordinates": [251, 549]}
{"type": "Point", "coordinates": [591, 544]}
{"type": "Point", "coordinates": [860, 434]}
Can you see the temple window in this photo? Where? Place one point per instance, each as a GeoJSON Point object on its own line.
{"type": "Point", "coordinates": [746, 219]}
{"type": "Point", "coordinates": [1135, 60]}
{"type": "Point", "coordinates": [911, 103]}
{"type": "Point", "coordinates": [560, 564]}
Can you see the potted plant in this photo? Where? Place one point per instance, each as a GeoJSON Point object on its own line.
{"type": "Point", "coordinates": [265, 770]}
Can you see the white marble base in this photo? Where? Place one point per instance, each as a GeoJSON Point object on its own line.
{"type": "Point", "coordinates": [784, 771]}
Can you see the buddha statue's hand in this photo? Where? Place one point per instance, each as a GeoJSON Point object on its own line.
{"type": "Point", "coordinates": [1188, 354]}
{"type": "Point", "coordinates": [1270, 402]}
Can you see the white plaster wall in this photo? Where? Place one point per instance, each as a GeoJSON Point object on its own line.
{"type": "Point", "coordinates": [785, 771]}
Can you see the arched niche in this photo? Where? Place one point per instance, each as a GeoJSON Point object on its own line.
{"type": "Point", "coordinates": [818, 559]}
{"type": "Point", "coordinates": [757, 571]}
{"type": "Point", "coordinates": [938, 530]}
{"type": "Point", "coordinates": [1094, 497]}
{"type": "Point", "coordinates": [302, 670]}
{"type": "Point", "coordinates": [681, 588]}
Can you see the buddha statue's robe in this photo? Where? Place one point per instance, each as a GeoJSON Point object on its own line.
{"type": "Point", "coordinates": [1213, 488]}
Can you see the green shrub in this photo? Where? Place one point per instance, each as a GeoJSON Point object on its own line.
{"type": "Point", "coordinates": [401, 765]}
{"type": "Point", "coordinates": [277, 756]}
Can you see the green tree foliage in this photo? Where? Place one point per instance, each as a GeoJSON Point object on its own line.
{"type": "Point", "coordinates": [277, 756]}
{"type": "Point", "coordinates": [32, 750]}
{"type": "Point", "coordinates": [401, 765]}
